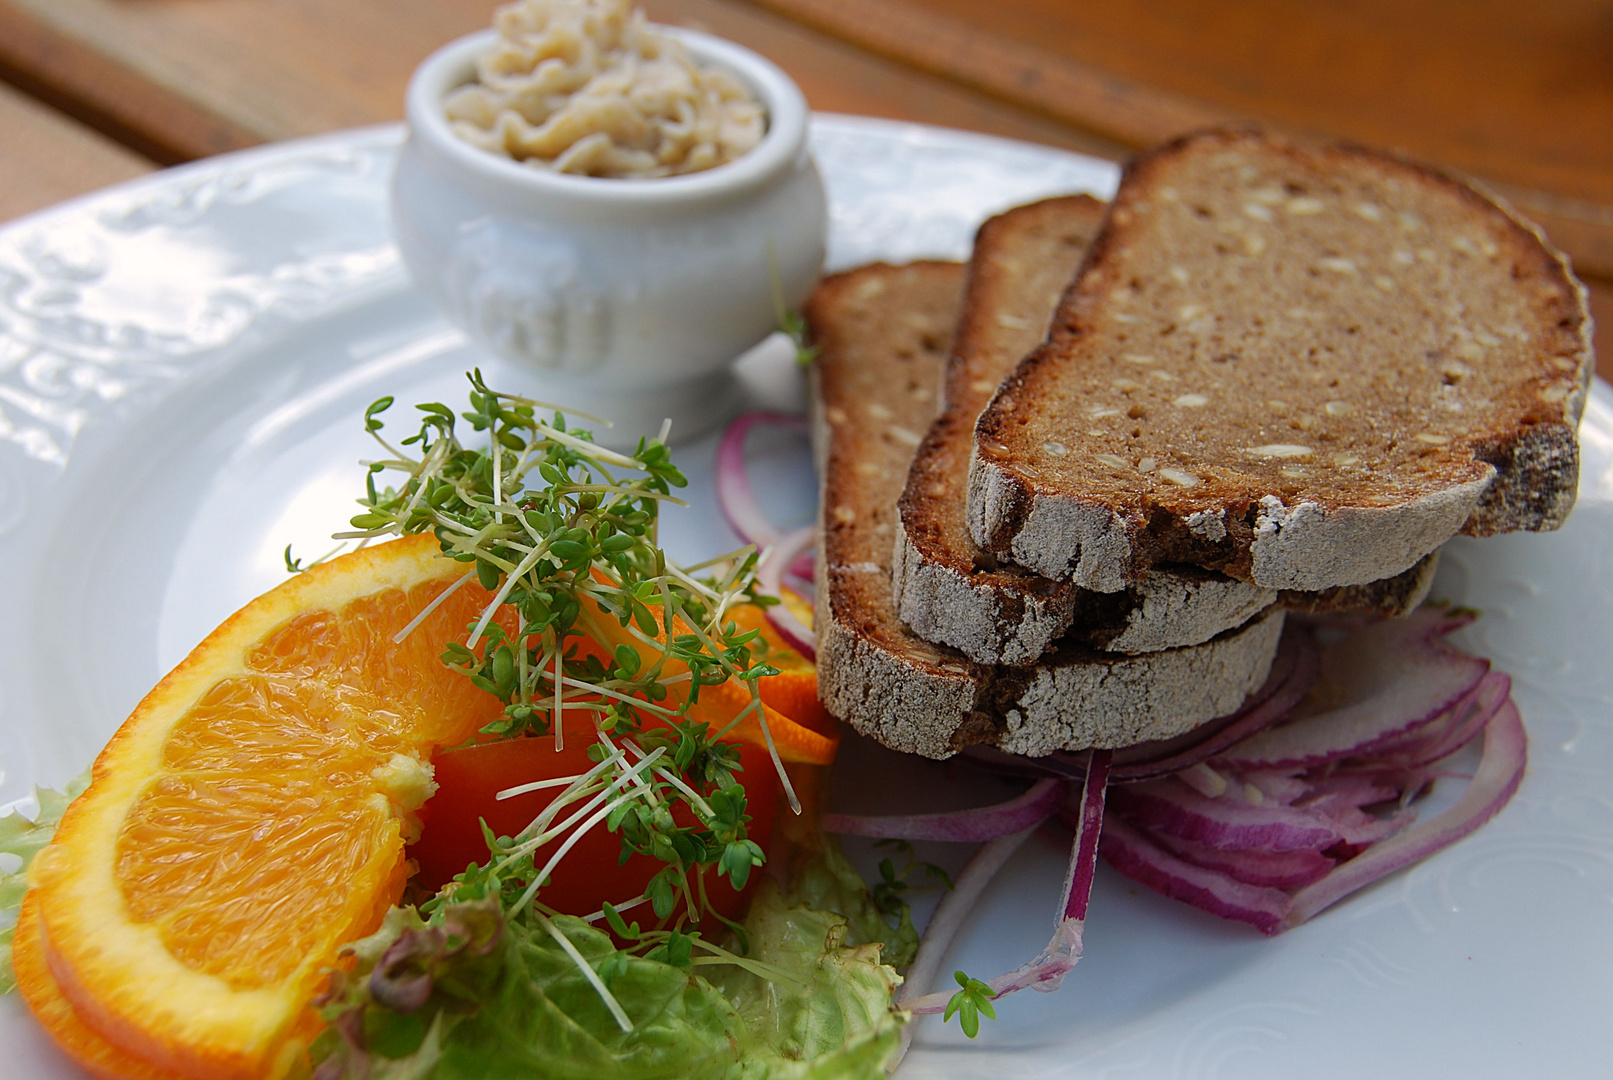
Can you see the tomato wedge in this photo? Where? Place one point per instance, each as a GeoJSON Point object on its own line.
{"type": "Point", "coordinates": [592, 872]}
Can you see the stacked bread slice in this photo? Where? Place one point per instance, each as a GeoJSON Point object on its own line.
{"type": "Point", "coordinates": [1304, 367]}
{"type": "Point", "coordinates": [883, 334]}
{"type": "Point", "coordinates": [1080, 556]}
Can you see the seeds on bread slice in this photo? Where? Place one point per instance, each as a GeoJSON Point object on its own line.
{"type": "Point", "coordinates": [883, 334]}
{"type": "Point", "coordinates": [949, 591]}
{"type": "Point", "coordinates": [1304, 367]}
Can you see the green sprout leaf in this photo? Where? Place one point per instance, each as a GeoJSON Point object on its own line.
{"type": "Point", "coordinates": [970, 1003]}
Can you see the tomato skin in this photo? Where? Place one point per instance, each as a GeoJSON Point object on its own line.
{"type": "Point", "coordinates": [469, 779]}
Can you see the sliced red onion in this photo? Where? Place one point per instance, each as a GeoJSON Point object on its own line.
{"type": "Point", "coordinates": [1084, 851]}
{"type": "Point", "coordinates": [1034, 806]}
{"type": "Point", "coordinates": [1170, 806]}
{"type": "Point", "coordinates": [1379, 683]}
{"type": "Point", "coordinates": [1276, 869]}
{"type": "Point", "coordinates": [1131, 853]}
{"type": "Point", "coordinates": [735, 498]}
{"type": "Point", "coordinates": [1344, 789]}
{"type": "Point", "coordinates": [770, 576]}
{"type": "Point", "coordinates": [1358, 828]}
{"type": "Point", "coordinates": [1501, 768]}
{"type": "Point", "coordinates": [1047, 969]}
{"type": "Point", "coordinates": [1452, 731]}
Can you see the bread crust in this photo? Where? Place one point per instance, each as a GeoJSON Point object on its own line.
{"type": "Point", "coordinates": [1520, 472]}
{"type": "Point", "coordinates": [882, 333]}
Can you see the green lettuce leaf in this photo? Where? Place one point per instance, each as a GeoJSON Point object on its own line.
{"type": "Point", "coordinates": [454, 1001]}
{"type": "Point", "coordinates": [24, 839]}
{"type": "Point", "coordinates": [832, 1016]}
{"type": "Point", "coordinates": [828, 882]}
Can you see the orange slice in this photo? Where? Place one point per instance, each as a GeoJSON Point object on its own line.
{"type": "Point", "coordinates": [55, 1015]}
{"type": "Point", "coordinates": [807, 736]}
{"type": "Point", "coordinates": [249, 818]}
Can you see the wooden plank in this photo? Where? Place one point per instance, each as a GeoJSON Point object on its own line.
{"type": "Point", "coordinates": [1516, 94]}
{"type": "Point", "coordinates": [104, 92]}
{"type": "Point", "coordinates": [1602, 311]}
{"type": "Point", "coordinates": [49, 157]}
{"type": "Point", "coordinates": [190, 80]}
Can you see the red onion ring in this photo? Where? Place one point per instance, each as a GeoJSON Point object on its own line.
{"type": "Point", "coordinates": [1452, 731]}
{"type": "Point", "coordinates": [1276, 869]}
{"type": "Point", "coordinates": [1170, 806]}
{"type": "Point", "coordinates": [1505, 756]}
{"type": "Point", "coordinates": [1388, 679]}
{"type": "Point", "coordinates": [1131, 853]}
{"type": "Point", "coordinates": [735, 498]}
{"type": "Point", "coordinates": [1047, 969]}
{"type": "Point", "coordinates": [1033, 806]}
{"type": "Point", "coordinates": [770, 576]}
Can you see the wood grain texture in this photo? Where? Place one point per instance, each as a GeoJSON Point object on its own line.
{"type": "Point", "coordinates": [189, 79]}
{"type": "Point", "coordinates": [1602, 313]}
{"type": "Point", "coordinates": [49, 157]}
{"type": "Point", "coordinates": [1518, 94]}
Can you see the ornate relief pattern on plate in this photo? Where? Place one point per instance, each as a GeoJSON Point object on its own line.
{"type": "Point", "coordinates": [108, 305]}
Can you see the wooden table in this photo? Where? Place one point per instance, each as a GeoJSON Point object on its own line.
{"type": "Point", "coordinates": [1516, 95]}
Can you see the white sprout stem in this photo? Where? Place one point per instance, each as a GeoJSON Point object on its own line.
{"type": "Point", "coordinates": [496, 451]}
{"type": "Point", "coordinates": [666, 429]}
{"type": "Point", "coordinates": [692, 583]}
{"type": "Point", "coordinates": [763, 971]}
{"type": "Point", "coordinates": [588, 973]}
{"type": "Point", "coordinates": [571, 841]}
{"type": "Point", "coordinates": [510, 578]}
{"type": "Point", "coordinates": [389, 448]}
{"type": "Point", "coordinates": [739, 717]}
{"type": "Point", "coordinates": [594, 688]}
{"type": "Point", "coordinates": [521, 653]}
{"type": "Point", "coordinates": [643, 786]}
{"type": "Point", "coordinates": [428, 466]}
{"type": "Point", "coordinates": [547, 407]}
{"type": "Point", "coordinates": [425, 612]}
{"type": "Point", "coordinates": [443, 521]}
{"type": "Point", "coordinates": [772, 752]}
{"type": "Point", "coordinates": [705, 639]}
{"type": "Point", "coordinates": [570, 795]}
{"type": "Point", "coordinates": [613, 489]}
{"type": "Point", "coordinates": [532, 844]}
{"type": "Point", "coordinates": [700, 805]}
{"type": "Point", "coordinates": [536, 785]}
{"type": "Point", "coordinates": [559, 705]}
{"type": "Point", "coordinates": [628, 905]}
{"type": "Point", "coordinates": [592, 450]}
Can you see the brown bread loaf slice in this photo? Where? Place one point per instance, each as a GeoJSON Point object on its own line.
{"type": "Point", "coordinates": [1304, 367]}
{"type": "Point", "coordinates": [947, 590]}
{"type": "Point", "coordinates": [883, 334]}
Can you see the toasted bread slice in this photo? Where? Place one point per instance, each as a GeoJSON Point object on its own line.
{"type": "Point", "coordinates": [952, 593]}
{"type": "Point", "coordinates": [883, 334]}
{"type": "Point", "coordinates": [1304, 367]}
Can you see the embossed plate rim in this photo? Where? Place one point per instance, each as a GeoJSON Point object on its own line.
{"type": "Point", "coordinates": [1221, 1002]}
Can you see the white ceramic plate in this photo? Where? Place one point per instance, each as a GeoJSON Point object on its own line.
{"type": "Point", "coordinates": [183, 364]}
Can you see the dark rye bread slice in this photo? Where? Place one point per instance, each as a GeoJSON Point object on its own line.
{"type": "Point", "coordinates": [1304, 367]}
{"type": "Point", "coordinates": [883, 333]}
{"type": "Point", "coordinates": [949, 591]}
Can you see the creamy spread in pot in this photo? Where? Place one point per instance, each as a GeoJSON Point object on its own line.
{"type": "Point", "coordinates": [587, 87]}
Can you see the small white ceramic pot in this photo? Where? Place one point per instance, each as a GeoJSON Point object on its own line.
{"type": "Point", "coordinates": [630, 297]}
